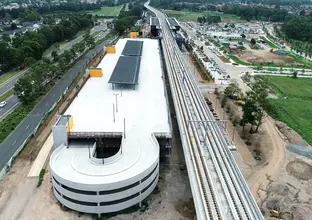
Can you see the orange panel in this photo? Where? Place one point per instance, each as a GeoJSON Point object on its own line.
{"type": "Point", "coordinates": [110, 49]}
{"type": "Point", "coordinates": [95, 73]}
{"type": "Point", "coordinates": [134, 34]}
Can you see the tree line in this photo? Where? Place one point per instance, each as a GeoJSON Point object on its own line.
{"type": "Point", "coordinates": [210, 19]}
{"type": "Point", "coordinates": [256, 12]}
{"type": "Point", "coordinates": [24, 14]}
{"type": "Point", "coordinates": [127, 19]}
{"type": "Point", "coordinates": [298, 28]}
{"type": "Point", "coordinates": [41, 76]}
{"type": "Point", "coordinates": [254, 105]}
{"type": "Point", "coordinates": [32, 44]}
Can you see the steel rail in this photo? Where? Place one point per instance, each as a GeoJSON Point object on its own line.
{"type": "Point", "coordinates": [218, 187]}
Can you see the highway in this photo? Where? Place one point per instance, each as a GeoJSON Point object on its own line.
{"type": "Point", "coordinates": [12, 101]}
{"type": "Point", "coordinates": [27, 127]}
{"type": "Point", "coordinates": [218, 187]}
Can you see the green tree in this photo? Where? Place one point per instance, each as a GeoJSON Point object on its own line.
{"type": "Point", "coordinates": [295, 74]}
{"type": "Point", "coordinates": [232, 90]}
{"type": "Point", "coordinates": [255, 103]}
{"type": "Point", "coordinates": [253, 42]}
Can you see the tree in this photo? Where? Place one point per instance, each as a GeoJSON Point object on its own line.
{"type": "Point", "coordinates": [253, 42]}
{"type": "Point", "coordinates": [243, 36]}
{"type": "Point", "coordinates": [29, 61]}
{"type": "Point", "coordinates": [232, 90]}
{"type": "Point", "coordinates": [255, 103]}
{"type": "Point", "coordinates": [302, 12]}
{"type": "Point", "coordinates": [13, 26]}
{"type": "Point", "coordinates": [54, 54]}
{"type": "Point", "coordinates": [295, 74]}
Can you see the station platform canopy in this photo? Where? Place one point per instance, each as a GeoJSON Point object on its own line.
{"type": "Point", "coordinates": [133, 48]}
{"type": "Point", "coordinates": [126, 71]}
{"type": "Point", "coordinates": [173, 23]}
{"type": "Point", "coordinates": [154, 23]}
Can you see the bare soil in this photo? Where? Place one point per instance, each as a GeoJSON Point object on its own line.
{"type": "Point", "coordinates": [280, 177]}
{"type": "Point", "coordinates": [264, 55]}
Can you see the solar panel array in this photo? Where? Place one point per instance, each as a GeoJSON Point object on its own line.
{"type": "Point", "coordinates": [127, 68]}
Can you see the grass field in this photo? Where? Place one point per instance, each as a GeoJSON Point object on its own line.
{"type": "Point", "coordinates": [188, 15]}
{"type": "Point", "coordinates": [7, 76]}
{"type": "Point", "coordinates": [107, 11]}
{"type": "Point", "coordinates": [268, 42]}
{"type": "Point", "coordinates": [296, 109]}
{"type": "Point", "coordinates": [9, 123]}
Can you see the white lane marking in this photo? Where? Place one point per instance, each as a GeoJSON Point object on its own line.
{"type": "Point", "coordinates": [13, 143]}
{"type": "Point", "coordinates": [27, 127]}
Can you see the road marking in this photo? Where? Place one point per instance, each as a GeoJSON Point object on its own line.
{"type": "Point", "coordinates": [13, 143]}
{"type": "Point", "coordinates": [8, 111]}
{"type": "Point", "coordinates": [27, 127]}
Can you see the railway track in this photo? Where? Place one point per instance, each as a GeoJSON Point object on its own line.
{"type": "Point", "coordinates": [218, 187]}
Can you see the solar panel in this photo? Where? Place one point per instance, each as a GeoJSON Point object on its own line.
{"type": "Point", "coordinates": [126, 70]}
{"type": "Point", "coordinates": [133, 48]}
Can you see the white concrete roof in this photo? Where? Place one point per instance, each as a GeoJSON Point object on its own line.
{"type": "Point", "coordinates": [144, 109]}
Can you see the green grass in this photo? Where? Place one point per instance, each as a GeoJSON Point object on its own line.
{"type": "Point", "coordinates": [9, 123]}
{"type": "Point", "coordinates": [107, 11]}
{"type": "Point", "coordinates": [272, 45]}
{"type": "Point", "coordinates": [5, 77]}
{"type": "Point", "coordinates": [6, 95]}
{"type": "Point", "coordinates": [40, 179]}
{"type": "Point", "coordinates": [296, 109]}
{"type": "Point", "coordinates": [189, 15]}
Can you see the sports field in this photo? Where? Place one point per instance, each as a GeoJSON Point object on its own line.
{"type": "Point", "coordinates": [189, 15]}
{"type": "Point", "coordinates": [293, 106]}
{"type": "Point", "coordinates": [107, 11]}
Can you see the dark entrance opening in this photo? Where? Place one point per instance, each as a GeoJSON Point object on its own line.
{"type": "Point", "coordinates": [107, 147]}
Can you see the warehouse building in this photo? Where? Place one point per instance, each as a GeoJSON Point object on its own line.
{"type": "Point", "coordinates": [108, 143]}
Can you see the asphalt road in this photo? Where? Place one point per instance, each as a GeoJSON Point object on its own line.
{"type": "Point", "coordinates": [10, 84]}
{"type": "Point", "coordinates": [12, 102]}
{"type": "Point", "coordinates": [20, 135]}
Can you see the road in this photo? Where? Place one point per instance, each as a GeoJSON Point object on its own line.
{"type": "Point", "coordinates": [23, 131]}
{"type": "Point", "coordinates": [12, 101]}
{"type": "Point", "coordinates": [233, 71]}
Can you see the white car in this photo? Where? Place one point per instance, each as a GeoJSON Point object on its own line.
{"type": "Point", "coordinates": [2, 104]}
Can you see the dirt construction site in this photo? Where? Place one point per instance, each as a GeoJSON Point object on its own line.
{"type": "Point", "coordinates": [264, 55]}
{"type": "Point", "coordinates": [278, 176]}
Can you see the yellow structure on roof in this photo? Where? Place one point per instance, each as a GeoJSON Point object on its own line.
{"type": "Point", "coordinates": [111, 49]}
{"type": "Point", "coordinates": [95, 72]}
{"type": "Point", "coordinates": [70, 124]}
{"type": "Point", "coordinates": [134, 34]}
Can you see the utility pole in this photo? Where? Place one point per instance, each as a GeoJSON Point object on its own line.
{"type": "Point", "coordinates": [116, 102]}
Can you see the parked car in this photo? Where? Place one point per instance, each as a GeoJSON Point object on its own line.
{"type": "Point", "coordinates": [2, 104]}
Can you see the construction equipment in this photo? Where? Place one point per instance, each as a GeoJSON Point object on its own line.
{"type": "Point", "coordinates": [275, 211]}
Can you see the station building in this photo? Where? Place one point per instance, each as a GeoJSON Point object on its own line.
{"type": "Point", "coordinates": [108, 143]}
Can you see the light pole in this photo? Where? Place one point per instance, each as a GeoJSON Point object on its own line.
{"type": "Point", "coordinates": [116, 102]}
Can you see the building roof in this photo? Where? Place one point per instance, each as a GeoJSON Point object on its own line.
{"type": "Point", "coordinates": [144, 110]}
{"type": "Point", "coordinates": [126, 70]}
{"type": "Point", "coordinates": [133, 48]}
